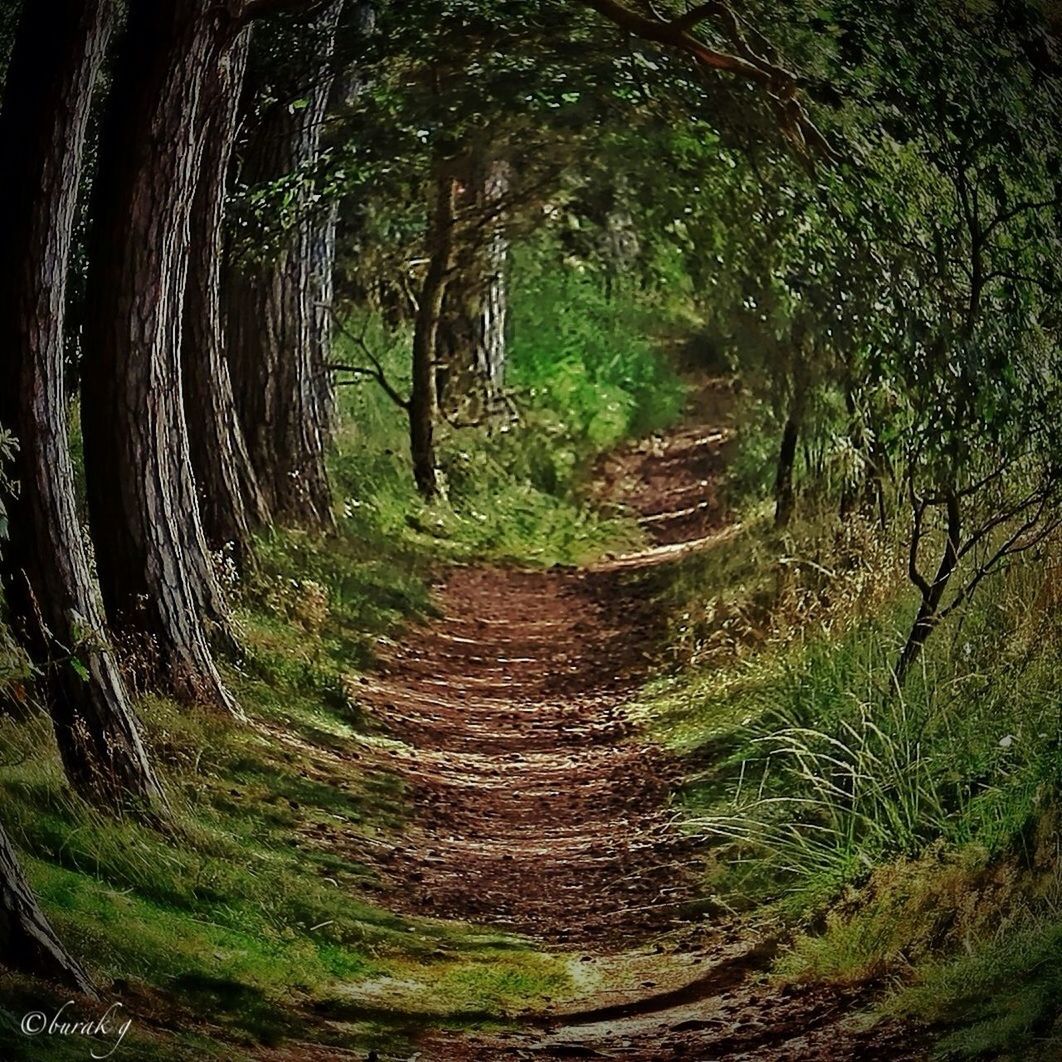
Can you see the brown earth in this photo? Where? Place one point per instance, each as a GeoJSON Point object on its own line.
{"type": "Point", "coordinates": [539, 808]}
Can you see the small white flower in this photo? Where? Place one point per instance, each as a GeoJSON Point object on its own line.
{"type": "Point", "coordinates": [1006, 741]}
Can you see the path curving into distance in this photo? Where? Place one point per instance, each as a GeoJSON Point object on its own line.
{"type": "Point", "coordinates": [540, 810]}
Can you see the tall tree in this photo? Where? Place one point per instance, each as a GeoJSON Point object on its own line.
{"type": "Point", "coordinates": [51, 601]}
{"type": "Point", "coordinates": [155, 570]}
{"type": "Point", "coordinates": [273, 298]}
{"type": "Point", "coordinates": [230, 500]}
{"type": "Point", "coordinates": [424, 400]}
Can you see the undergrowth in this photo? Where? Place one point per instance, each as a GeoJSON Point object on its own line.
{"type": "Point", "coordinates": [585, 371]}
{"type": "Point", "coordinates": [908, 837]}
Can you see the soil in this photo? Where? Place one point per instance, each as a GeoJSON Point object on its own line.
{"type": "Point", "coordinates": [541, 809]}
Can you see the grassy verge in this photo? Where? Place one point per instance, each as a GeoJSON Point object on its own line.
{"type": "Point", "coordinates": [909, 839]}
{"type": "Point", "coordinates": [251, 917]}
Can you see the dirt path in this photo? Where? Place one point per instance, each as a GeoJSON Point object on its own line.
{"type": "Point", "coordinates": [540, 810]}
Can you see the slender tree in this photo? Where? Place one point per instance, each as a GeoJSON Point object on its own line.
{"type": "Point", "coordinates": [470, 339]}
{"type": "Point", "coordinates": [277, 331]}
{"type": "Point", "coordinates": [423, 402]}
{"type": "Point", "coordinates": [230, 500]}
{"type": "Point", "coordinates": [51, 601]}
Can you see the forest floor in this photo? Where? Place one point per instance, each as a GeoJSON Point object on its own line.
{"type": "Point", "coordinates": [542, 809]}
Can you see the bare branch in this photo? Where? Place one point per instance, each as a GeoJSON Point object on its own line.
{"type": "Point", "coordinates": [1018, 209]}
{"type": "Point", "coordinates": [1016, 543]}
{"type": "Point", "coordinates": [376, 372]}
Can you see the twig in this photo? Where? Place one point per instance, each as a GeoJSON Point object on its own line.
{"type": "Point", "coordinates": [376, 372]}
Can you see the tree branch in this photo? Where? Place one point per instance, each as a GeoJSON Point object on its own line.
{"type": "Point", "coordinates": [913, 573]}
{"type": "Point", "coordinates": [376, 372]}
{"type": "Point", "coordinates": [746, 62]}
{"type": "Point", "coordinates": [1018, 209]}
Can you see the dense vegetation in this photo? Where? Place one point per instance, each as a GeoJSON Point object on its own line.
{"type": "Point", "coordinates": [303, 302]}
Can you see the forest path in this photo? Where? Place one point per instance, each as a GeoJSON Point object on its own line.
{"type": "Point", "coordinates": [540, 809]}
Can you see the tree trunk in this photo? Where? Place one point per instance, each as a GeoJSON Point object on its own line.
{"type": "Point", "coordinates": [471, 339]}
{"type": "Point", "coordinates": [276, 336]}
{"type": "Point", "coordinates": [27, 942]}
{"type": "Point", "coordinates": [928, 615]}
{"type": "Point", "coordinates": [423, 403]}
{"type": "Point", "coordinates": [230, 501]}
{"type": "Point", "coordinates": [784, 494]}
{"type": "Point", "coordinates": [322, 250]}
{"type": "Point", "coordinates": [155, 572]}
{"type": "Point", "coordinates": [51, 601]}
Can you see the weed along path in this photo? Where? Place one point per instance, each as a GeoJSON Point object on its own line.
{"type": "Point", "coordinates": [541, 810]}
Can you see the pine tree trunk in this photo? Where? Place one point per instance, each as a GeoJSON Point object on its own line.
{"type": "Point", "coordinates": [230, 501]}
{"type": "Point", "coordinates": [51, 601]}
{"type": "Point", "coordinates": [27, 942]}
{"type": "Point", "coordinates": [276, 338]}
{"type": "Point", "coordinates": [423, 403]}
{"type": "Point", "coordinates": [155, 570]}
{"type": "Point", "coordinates": [471, 337]}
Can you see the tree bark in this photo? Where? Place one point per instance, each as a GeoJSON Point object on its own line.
{"type": "Point", "coordinates": [322, 251]}
{"type": "Point", "coordinates": [423, 402]}
{"type": "Point", "coordinates": [784, 494]}
{"type": "Point", "coordinates": [230, 501]}
{"type": "Point", "coordinates": [276, 336]}
{"type": "Point", "coordinates": [471, 337]}
{"type": "Point", "coordinates": [27, 942]}
{"type": "Point", "coordinates": [51, 601]}
{"type": "Point", "coordinates": [155, 571]}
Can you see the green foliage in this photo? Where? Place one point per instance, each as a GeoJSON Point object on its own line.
{"type": "Point", "coordinates": [836, 771]}
{"type": "Point", "coordinates": [586, 373]}
{"type": "Point", "coordinates": [1001, 1001]}
{"type": "Point", "coordinates": [585, 354]}
{"type": "Point", "coordinates": [911, 837]}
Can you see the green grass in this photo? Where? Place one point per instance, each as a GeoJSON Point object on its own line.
{"type": "Point", "coordinates": [514, 492]}
{"type": "Point", "coordinates": [999, 1001]}
{"type": "Point", "coordinates": [908, 839]}
{"type": "Point", "coordinates": [251, 916]}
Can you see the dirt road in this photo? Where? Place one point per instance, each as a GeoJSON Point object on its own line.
{"type": "Point", "coordinates": [541, 810]}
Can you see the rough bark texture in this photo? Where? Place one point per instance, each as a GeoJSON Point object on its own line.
{"type": "Point", "coordinates": [51, 601]}
{"type": "Point", "coordinates": [322, 249]}
{"type": "Point", "coordinates": [155, 572]}
{"type": "Point", "coordinates": [423, 401]}
{"type": "Point", "coordinates": [470, 341]}
{"type": "Point", "coordinates": [27, 942]}
{"type": "Point", "coordinates": [230, 501]}
{"type": "Point", "coordinates": [276, 331]}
